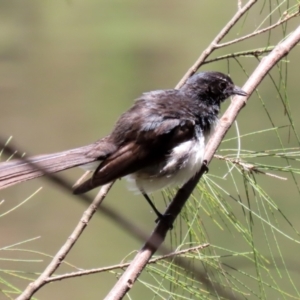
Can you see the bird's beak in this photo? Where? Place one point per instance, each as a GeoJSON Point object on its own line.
{"type": "Point", "coordinates": [238, 91]}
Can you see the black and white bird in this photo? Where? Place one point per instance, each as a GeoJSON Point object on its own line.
{"type": "Point", "coordinates": [158, 142]}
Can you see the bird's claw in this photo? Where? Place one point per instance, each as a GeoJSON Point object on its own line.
{"type": "Point", "coordinates": [205, 166]}
{"type": "Point", "coordinates": [167, 219]}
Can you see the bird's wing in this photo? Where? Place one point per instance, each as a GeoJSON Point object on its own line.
{"type": "Point", "coordinates": [143, 147]}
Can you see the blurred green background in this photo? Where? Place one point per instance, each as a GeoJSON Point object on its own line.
{"type": "Point", "coordinates": [68, 69]}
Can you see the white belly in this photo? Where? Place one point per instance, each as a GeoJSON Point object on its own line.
{"type": "Point", "coordinates": [194, 151]}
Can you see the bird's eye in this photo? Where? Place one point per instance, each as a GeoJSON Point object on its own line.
{"type": "Point", "coordinates": [222, 85]}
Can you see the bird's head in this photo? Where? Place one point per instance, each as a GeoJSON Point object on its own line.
{"type": "Point", "coordinates": [211, 87]}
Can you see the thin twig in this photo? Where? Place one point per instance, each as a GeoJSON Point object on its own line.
{"type": "Point", "coordinates": [255, 53]}
{"type": "Point", "coordinates": [65, 249]}
{"type": "Point", "coordinates": [193, 69]}
{"type": "Point", "coordinates": [128, 278]}
{"type": "Point", "coordinates": [258, 32]}
{"type": "Point", "coordinates": [247, 167]}
{"type": "Point", "coordinates": [124, 265]}
{"type": "Point", "coordinates": [239, 4]}
{"type": "Point", "coordinates": [81, 179]}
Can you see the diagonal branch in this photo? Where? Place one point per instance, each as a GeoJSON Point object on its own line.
{"type": "Point", "coordinates": [213, 45]}
{"type": "Point", "coordinates": [140, 261]}
{"type": "Point", "coordinates": [258, 32]}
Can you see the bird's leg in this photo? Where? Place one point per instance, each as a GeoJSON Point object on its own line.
{"type": "Point", "coordinates": [205, 166]}
{"type": "Point", "coordinates": [160, 216]}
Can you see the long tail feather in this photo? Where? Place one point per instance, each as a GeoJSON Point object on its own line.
{"type": "Point", "coordinates": [16, 171]}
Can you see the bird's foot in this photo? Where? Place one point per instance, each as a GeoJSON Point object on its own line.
{"type": "Point", "coordinates": [205, 166]}
{"type": "Point", "coordinates": [167, 219]}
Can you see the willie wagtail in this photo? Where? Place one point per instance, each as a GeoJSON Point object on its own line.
{"type": "Point", "coordinates": [158, 142]}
